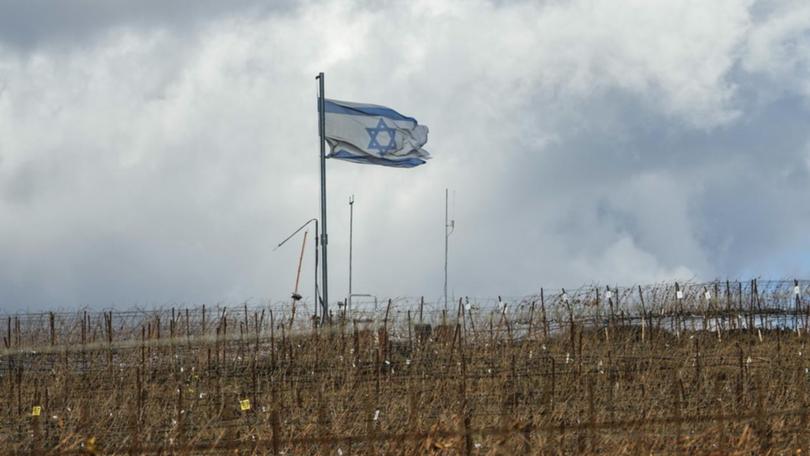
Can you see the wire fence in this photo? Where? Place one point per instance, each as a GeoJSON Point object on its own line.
{"type": "Point", "coordinates": [641, 369]}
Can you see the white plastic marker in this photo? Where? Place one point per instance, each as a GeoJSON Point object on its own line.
{"type": "Point", "coordinates": [376, 414]}
{"type": "Point", "coordinates": [608, 294]}
{"type": "Point", "coordinates": [797, 291]}
{"type": "Point", "coordinates": [565, 297]}
{"type": "Point", "coordinates": [679, 294]}
{"type": "Point", "coordinates": [708, 295]}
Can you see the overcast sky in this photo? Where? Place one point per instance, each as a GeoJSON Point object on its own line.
{"type": "Point", "coordinates": [154, 153]}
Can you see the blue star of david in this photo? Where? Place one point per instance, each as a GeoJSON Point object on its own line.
{"type": "Point", "coordinates": [374, 144]}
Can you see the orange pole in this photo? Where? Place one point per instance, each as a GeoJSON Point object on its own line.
{"type": "Point", "coordinates": [300, 260]}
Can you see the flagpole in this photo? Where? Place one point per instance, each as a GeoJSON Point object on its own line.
{"type": "Point", "coordinates": [322, 133]}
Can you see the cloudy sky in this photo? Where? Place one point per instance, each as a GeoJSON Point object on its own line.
{"type": "Point", "coordinates": [154, 153]}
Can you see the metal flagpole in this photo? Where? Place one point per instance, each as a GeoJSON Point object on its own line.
{"type": "Point", "coordinates": [322, 132]}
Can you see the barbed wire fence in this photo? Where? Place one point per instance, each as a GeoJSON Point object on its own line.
{"type": "Point", "coordinates": [577, 369]}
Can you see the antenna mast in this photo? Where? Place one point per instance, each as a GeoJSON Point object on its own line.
{"type": "Point", "coordinates": [449, 227]}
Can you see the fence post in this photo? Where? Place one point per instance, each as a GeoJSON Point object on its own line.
{"type": "Point", "coordinates": [545, 320]}
{"type": "Point", "coordinates": [591, 416]}
{"type": "Point", "coordinates": [643, 312]}
{"type": "Point", "coordinates": [465, 410]}
{"type": "Point", "coordinates": [763, 426]}
{"type": "Point", "coordinates": [274, 419]}
{"type": "Point", "coordinates": [731, 321]}
{"type": "Point", "coordinates": [677, 391]}
{"type": "Point", "coordinates": [801, 440]}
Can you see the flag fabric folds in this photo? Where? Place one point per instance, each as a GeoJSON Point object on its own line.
{"type": "Point", "coordinates": [372, 134]}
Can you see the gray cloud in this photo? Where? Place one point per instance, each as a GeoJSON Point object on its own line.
{"type": "Point", "coordinates": [153, 156]}
{"type": "Point", "coordinates": [34, 24]}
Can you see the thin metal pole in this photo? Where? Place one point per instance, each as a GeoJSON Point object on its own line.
{"type": "Point", "coordinates": [324, 238]}
{"type": "Point", "coordinates": [449, 227]}
{"type": "Point", "coordinates": [446, 235]}
{"type": "Point", "coordinates": [351, 228]}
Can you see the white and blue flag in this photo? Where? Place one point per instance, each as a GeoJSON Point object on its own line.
{"type": "Point", "coordinates": [372, 134]}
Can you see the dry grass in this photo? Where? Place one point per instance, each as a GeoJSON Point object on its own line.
{"type": "Point", "coordinates": [547, 377]}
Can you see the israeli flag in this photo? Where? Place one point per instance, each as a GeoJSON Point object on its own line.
{"type": "Point", "coordinates": [372, 134]}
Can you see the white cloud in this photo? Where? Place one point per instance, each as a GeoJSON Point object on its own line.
{"type": "Point", "coordinates": [143, 164]}
{"type": "Point", "coordinates": [779, 46]}
{"type": "Point", "coordinates": [625, 263]}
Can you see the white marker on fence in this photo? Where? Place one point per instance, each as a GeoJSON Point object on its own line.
{"type": "Point", "coordinates": [679, 294]}
{"type": "Point", "coordinates": [708, 295]}
{"type": "Point", "coordinates": [608, 294]}
{"type": "Point", "coordinates": [797, 291]}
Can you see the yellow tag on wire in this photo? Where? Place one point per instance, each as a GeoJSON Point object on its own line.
{"type": "Point", "coordinates": [36, 411]}
{"type": "Point", "coordinates": [244, 405]}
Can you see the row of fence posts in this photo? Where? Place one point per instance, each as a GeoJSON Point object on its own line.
{"type": "Point", "coordinates": [221, 330]}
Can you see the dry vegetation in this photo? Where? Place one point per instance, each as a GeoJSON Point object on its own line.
{"type": "Point", "coordinates": [638, 371]}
